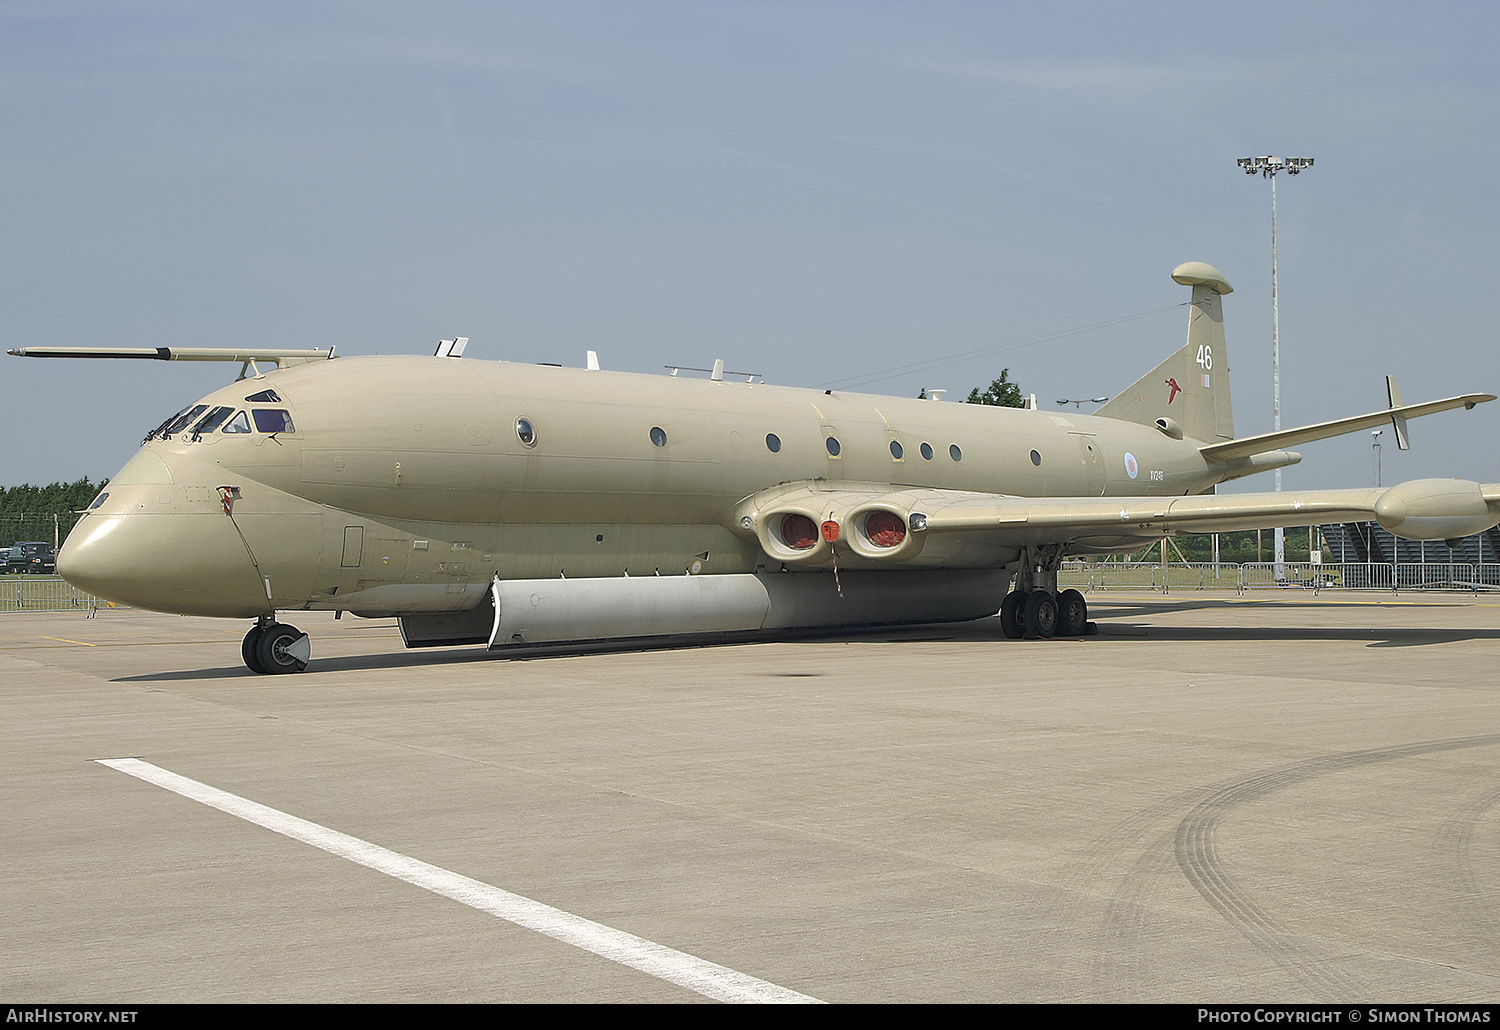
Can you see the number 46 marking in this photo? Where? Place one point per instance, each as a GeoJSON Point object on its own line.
{"type": "Point", "coordinates": [1205, 356]}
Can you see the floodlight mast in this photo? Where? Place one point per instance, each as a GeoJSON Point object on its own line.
{"type": "Point", "coordinates": [1268, 166]}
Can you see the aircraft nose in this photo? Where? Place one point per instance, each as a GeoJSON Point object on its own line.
{"type": "Point", "coordinates": [191, 564]}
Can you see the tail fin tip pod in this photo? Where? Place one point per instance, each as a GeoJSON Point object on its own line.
{"type": "Point", "coordinates": [1191, 388]}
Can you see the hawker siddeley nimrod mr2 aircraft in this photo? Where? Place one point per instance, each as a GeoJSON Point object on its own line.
{"type": "Point", "coordinates": [482, 502]}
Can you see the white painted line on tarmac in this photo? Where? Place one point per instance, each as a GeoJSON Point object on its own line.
{"type": "Point", "coordinates": [706, 978]}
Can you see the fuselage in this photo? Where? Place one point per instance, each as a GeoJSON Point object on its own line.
{"type": "Point", "coordinates": [401, 484]}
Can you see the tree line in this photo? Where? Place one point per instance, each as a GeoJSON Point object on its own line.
{"type": "Point", "coordinates": [26, 511]}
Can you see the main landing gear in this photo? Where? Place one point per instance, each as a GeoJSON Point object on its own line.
{"type": "Point", "coordinates": [1037, 614]}
{"type": "Point", "coordinates": [1036, 610]}
{"type": "Point", "coordinates": [272, 646]}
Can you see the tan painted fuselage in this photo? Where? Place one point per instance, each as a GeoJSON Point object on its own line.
{"type": "Point", "coordinates": [486, 501]}
{"type": "Point", "coordinates": [407, 487]}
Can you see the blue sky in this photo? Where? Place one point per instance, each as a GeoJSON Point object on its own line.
{"type": "Point", "coordinates": [820, 192]}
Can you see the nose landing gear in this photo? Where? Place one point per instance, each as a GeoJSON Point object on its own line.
{"type": "Point", "coordinates": [274, 647]}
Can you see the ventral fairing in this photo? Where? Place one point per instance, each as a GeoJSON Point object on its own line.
{"type": "Point", "coordinates": [484, 502]}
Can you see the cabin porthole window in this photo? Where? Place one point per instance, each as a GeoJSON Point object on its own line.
{"type": "Point", "coordinates": [896, 451]}
{"type": "Point", "coordinates": [773, 443]}
{"type": "Point", "coordinates": [526, 432]}
{"type": "Point", "coordinates": [658, 436]}
{"type": "Point", "coordinates": [833, 446]}
{"type": "Point", "coordinates": [1036, 458]}
{"type": "Point", "coordinates": [926, 452]}
{"type": "Point", "coordinates": [955, 453]}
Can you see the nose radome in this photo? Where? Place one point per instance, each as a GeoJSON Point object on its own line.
{"type": "Point", "coordinates": [189, 564]}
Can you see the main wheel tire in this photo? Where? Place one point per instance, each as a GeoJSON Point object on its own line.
{"type": "Point", "coordinates": [247, 649]}
{"type": "Point", "coordinates": [1039, 616]}
{"type": "Point", "coordinates": [1010, 614]}
{"type": "Point", "coordinates": [1072, 614]}
{"type": "Point", "coordinates": [282, 648]}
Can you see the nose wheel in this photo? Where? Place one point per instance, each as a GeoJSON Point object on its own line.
{"type": "Point", "coordinates": [274, 647]}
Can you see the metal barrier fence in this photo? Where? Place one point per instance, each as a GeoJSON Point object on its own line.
{"type": "Point", "coordinates": [1150, 576]}
{"type": "Point", "coordinates": [25, 593]}
{"type": "Point", "coordinates": [1290, 575]}
{"type": "Point", "coordinates": [1386, 576]}
{"type": "Point", "coordinates": [1436, 576]}
{"type": "Point", "coordinates": [1326, 576]}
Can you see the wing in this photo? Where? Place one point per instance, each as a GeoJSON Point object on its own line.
{"type": "Point", "coordinates": [816, 523]}
{"type": "Point", "coordinates": [1397, 414]}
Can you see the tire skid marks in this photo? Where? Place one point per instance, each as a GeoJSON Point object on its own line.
{"type": "Point", "coordinates": [1198, 856]}
{"type": "Point", "coordinates": [1478, 905]}
{"type": "Point", "coordinates": [1122, 971]}
{"type": "Point", "coordinates": [1120, 964]}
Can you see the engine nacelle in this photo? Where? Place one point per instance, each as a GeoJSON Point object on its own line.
{"type": "Point", "coordinates": [793, 534]}
{"type": "Point", "coordinates": [882, 532]}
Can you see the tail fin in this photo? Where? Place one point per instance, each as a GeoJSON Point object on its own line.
{"type": "Point", "coordinates": [1190, 390]}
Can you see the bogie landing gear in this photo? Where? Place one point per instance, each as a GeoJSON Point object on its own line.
{"type": "Point", "coordinates": [274, 647]}
{"type": "Point", "coordinates": [1037, 614]}
{"type": "Point", "coordinates": [1036, 610]}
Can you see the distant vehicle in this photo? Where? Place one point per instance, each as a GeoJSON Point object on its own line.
{"type": "Point", "coordinates": [5, 555]}
{"type": "Point", "coordinates": [35, 556]}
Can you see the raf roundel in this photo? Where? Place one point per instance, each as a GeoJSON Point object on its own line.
{"type": "Point", "coordinates": [1131, 468]}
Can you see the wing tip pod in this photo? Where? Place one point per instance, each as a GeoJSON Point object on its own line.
{"type": "Point", "coordinates": [1438, 509]}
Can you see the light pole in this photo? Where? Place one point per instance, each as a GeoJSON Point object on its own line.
{"type": "Point", "coordinates": [1370, 527]}
{"type": "Point", "coordinates": [1268, 167]}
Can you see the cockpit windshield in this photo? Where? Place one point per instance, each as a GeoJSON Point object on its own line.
{"type": "Point", "coordinates": [175, 423]}
{"type": "Point", "coordinates": [225, 420]}
{"type": "Point", "coordinates": [213, 420]}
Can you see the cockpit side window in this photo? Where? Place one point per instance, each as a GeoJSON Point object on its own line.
{"type": "Point", "coordinates": [264, 397]}
{"type": "Point", "coordinates": [239, 424]}
{"type": "Point", "coordinates": [273, 420]}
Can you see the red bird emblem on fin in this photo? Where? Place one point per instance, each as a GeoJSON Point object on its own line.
{"type": "Point", "coordinates": [1175, 390]}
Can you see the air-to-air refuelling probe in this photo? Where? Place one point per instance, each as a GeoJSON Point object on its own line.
{"type": "Point", "coordinates": [484, 502]}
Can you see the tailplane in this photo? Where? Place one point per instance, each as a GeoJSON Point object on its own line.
{"type": "Point", "coordinates": [1189, 392]}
